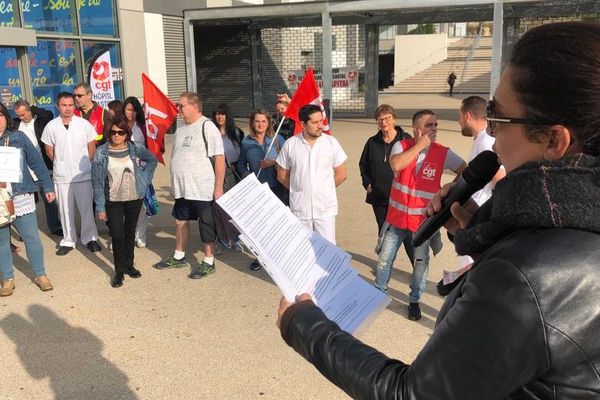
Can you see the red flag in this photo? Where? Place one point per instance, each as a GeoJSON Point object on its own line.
{"type": "Point", "coordinates": [160, 115]}
{"type": "Point", "coordinates": [307, 93]}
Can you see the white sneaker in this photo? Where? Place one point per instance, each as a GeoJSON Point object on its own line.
{"type": "Point", "coordinates": [140, 243]}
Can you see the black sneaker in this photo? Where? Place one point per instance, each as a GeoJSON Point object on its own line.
{"type": "Point", "coordinates": [63, 250]}
{"type": "Point", "coordinates": [255, 265]}
{"type": "Point", "coordinates": [93, 246]}
{"type": "Point", "coordinates": [414, 311]}
{"type": "Point", "coordinates": [202, 270]}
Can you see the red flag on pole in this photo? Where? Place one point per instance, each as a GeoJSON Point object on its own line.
{"type": "Point", "coordinates": [160, 115]}
{"type": "Point", "coordinates": [307, 93]}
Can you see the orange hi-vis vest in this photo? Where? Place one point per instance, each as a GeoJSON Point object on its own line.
{"type": "Point", "coordinates": [411, 192]}
{"type": "Point", "coordinates": [96, 119]}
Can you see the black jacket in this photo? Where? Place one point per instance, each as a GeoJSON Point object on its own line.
{"type": "Point", "coordinates": [524, 323]}
{"type": "Point", "coordinates": [42, 119]}
{"type": "Point", "coordinates": [375, 168]}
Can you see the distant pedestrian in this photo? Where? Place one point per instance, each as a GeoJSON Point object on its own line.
{"type": "Point", "coordinates": [451, 80]}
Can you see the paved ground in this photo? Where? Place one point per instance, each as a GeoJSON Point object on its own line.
{"type": "Point", "coordinates": [165, 336]}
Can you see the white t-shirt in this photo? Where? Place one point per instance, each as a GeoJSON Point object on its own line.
{"type": "Point", "coordinates": [453, 160]}
{"type": "Point", "coordinates": [71, 156]}
{"type": "Point", "coordinates": [482, 142]}
{"type": "Point", "coordinates": [29, 130]}
{"type": "Point", "coordinates": [192, 174]}
{"type": "Point", "coordinates": [312, 183]}
{"type": "Point", "coordinates": [137, 136]}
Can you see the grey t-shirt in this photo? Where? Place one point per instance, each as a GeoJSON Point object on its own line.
{"type": "Point", "coordinates": [192, 174]}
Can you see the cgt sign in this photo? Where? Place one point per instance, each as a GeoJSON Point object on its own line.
{"type": "Point", "coordinates": [101, 79]}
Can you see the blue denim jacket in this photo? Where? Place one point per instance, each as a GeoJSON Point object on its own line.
{"type": "Point", "coordinates": [32, 159]}
{"type": "Point", "coordinates": [143, 176]}
{"type": "Point", "coordinates": [251, 154]}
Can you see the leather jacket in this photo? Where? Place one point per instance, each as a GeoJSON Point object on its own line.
{"type": "Point", "coordinates": [523, 324]}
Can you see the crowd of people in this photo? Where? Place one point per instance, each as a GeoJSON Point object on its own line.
{"type": "Point", "coordinates": [522, 321]}
{"type": "Point", "coordinates": [528, 241]}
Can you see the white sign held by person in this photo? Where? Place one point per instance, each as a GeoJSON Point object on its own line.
{"type": "Point", "coordinates": [101, 80]}
{"type": "Point", "coordinates": [11, 160]}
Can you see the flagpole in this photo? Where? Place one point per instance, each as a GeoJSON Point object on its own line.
{"type": "Point", "coordinates": [271, 145]}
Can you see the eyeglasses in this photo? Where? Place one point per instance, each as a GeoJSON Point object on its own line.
{"type": "Point", "coordinates": [79, 95]}
{"type": "Point", "coordinates": [179, 106]}
{"type": "Point", "coordinates": [120, 133]}
{"type": "Point", "coordinates": [494, 120]}
{"type": "Point", "coordinates": [384, 119]}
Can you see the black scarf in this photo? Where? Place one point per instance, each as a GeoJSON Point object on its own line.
{"type": "Point", "coordinates": [562, 193]}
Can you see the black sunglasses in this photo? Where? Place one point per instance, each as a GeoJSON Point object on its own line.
{"type": "Point", "coordinates": [494, 120]}
{"type": "Point", "coordinates": [120, 133]}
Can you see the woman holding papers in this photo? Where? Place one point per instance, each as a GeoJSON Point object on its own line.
{"type": "Point", "coordinates": [255, 159]}
{"type": "Point", "coordinates": [121, 173]}
{"type": "Point", "coordinates": [21, 192]}
{"type": "Point", "coordinates": [523, 323]}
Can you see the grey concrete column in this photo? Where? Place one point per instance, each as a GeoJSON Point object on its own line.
{"type": "Point", "coordinates": [371, 69]}
{"type": "Point", "coordinates": [256, 64]}
{"type": "Point", "coordinates": [327, 73]}
{"type": "Point", "coordinates": [497, 45]}
{"type": "Point", "coordinates": [190, 54]}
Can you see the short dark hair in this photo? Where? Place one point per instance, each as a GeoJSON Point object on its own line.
{"type": "Point", "coordinates": [420, 114]}
{"type": "Point", "coordinates": [306, 111]}
{"type": "Point", "coordinates": [84, 86]}
{"type": "Point", "coordinates": [10, 125]}
{"type": "Point", "coordinates": [22, 103]}
{"type": "Point", "coordinates": [64, 95]}
{"type": "Point", "coordinates": [385, 109]}
{"type": "Point", "coordinates": [475, 105]}
{"type": "Point", "coordinates": [120, 122]}
{"type": "Point", "coordinates": [556, 80]}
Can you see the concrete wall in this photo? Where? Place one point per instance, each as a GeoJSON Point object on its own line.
{"type": "Point", "coordinates": [155, 43]}
{"type": "Point", "coordinates": [416, 53]}
{"type": "Point", "coordinates": [133, 45]}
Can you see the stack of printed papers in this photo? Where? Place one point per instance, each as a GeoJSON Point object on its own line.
{"type": "Point", "coordinates": [299, 260]}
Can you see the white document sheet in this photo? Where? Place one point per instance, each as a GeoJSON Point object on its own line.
{"type": "Point", "coordinates": [299, 260]}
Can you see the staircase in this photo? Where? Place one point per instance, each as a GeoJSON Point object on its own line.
{"type": "Point", "coordinates": [433, 79]}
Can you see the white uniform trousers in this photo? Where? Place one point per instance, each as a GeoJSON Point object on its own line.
{"type": "Point", "coordinates": [142, 224]}
{"type": "Point", "coordinates": [67, 195]}
{"type": "Point", "coordinates": [323, 226]}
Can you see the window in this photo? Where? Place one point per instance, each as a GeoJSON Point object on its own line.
{"type": "Point", "coordinates": [50, 15]}
{"type": "Point", "coordinates": [10, 83]}
{"type": "Point", "coordinates": [98, 18]}
{"type": "Point", "coordinates": [8, 16]}
{"type": "Point", "coordinates": [53, 68]}
{"type": "Point", "coordinates": [387, 32]}
{"type": "Point", "coordinates": [93, 49]}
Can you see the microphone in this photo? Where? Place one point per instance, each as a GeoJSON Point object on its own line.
{"type": "Point", "coordinates": [478, 173]}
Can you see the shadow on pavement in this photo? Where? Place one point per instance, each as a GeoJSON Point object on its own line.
{"type": "Point", "coordinates": [71, 358]}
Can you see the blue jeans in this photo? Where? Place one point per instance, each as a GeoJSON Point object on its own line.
{"type": "Point", "coordinates": [28, 229]}
{"type": "Point", "coordinates": [392, 241]}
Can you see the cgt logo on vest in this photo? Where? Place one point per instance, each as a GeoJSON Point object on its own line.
{"type": "Point", "coordinates": [429, 170]}
{"type": "Point", "coordinates": [101, 73]}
